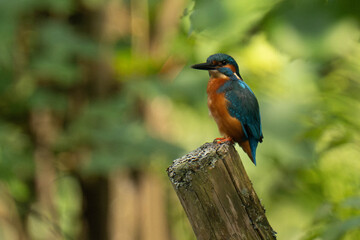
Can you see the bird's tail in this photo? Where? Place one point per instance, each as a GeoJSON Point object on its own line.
{"type": "Point", "coordinates": [249, 147]}
{"type": "Point", "coordinates": [253, 145]}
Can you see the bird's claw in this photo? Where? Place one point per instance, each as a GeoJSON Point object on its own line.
{"type": "Point", "coordinates": [223, 140]}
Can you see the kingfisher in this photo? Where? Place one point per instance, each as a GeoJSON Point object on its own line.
{"type": "Point", "coordinates": [232, 104]}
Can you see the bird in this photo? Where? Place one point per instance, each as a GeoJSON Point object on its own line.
{"type": "Point", "coordinates": [232, 104]}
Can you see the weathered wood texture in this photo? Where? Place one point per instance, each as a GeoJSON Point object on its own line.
{"type": "Point", "coordinates": [218, 196]}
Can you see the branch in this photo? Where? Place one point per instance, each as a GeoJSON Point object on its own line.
{"type": "Point", "coordinates": [217, 195]}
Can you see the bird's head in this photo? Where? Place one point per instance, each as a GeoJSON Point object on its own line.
{"type": "Point", "coordinates": [219, 63]}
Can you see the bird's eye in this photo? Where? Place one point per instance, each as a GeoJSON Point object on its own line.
{"type": "Point", "coordinates": [223, 62]}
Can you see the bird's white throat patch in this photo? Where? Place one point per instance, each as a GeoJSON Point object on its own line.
{"type": "Point", "coordinates": [217, 74]}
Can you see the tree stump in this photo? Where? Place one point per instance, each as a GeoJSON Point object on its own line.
{"type": "Point", "coordinates": [217, 195]}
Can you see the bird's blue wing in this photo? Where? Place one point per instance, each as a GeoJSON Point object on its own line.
{"type": "Point", "coordinates": [243, 105]}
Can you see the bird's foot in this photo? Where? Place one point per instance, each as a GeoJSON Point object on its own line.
{"type": "Point", "coordinates": [222, 140]}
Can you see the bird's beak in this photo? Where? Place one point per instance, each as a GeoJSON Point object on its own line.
{"type": "Point", "coordinates": [204, 66]}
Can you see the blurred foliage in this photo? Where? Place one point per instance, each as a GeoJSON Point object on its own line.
{"type": "Point", "coordinates": [113, 77]}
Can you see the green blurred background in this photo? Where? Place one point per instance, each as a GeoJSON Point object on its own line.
{"type": "Point", "coordinates": [97, 98]}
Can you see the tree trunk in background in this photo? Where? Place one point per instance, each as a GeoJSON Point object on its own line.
{"type": "Point", "coordinates": [99, 83]}
{"type": "Point", "coordinates": [152, 208]}
{"type": "Point", "coordinates": [123, 207]}
{"type": "Point", "coordinates": [137, 207]}
{"type": "Point", "coordinates": [11, 225]}
{"type": "Point", "coordinates": [95, 208]}
{"type": "Point", "coordinates": [140, 28]}
{"type": "Point", "coordinates": [44, 127]}
{"type": "Point", "coordinates": [166, 27]}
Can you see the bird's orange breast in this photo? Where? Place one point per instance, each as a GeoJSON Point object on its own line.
{"type": "Point", "coordinates": [217, 103]}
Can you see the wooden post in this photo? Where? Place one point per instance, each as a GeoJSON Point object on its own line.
{"type": "Point", "coordinates": [217, 195]}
